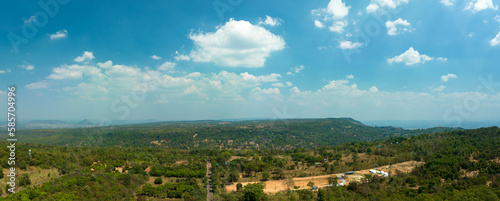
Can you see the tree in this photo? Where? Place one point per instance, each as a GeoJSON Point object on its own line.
{"type": "Point", "coordinates": [25, 180]}
{"type": "Point", "coordinates": [234, 175]}
{"type": "Point", "coordinates": [158, 180]}
{"type": "Point", "coordinates": [239, 187]}
{"type": "Point", "coordinates": [253, 192]}
{"type": "Point", "coordinates": [310, 184]}
{"type": "Point", "coordinates": [332, 180]}
{"type": "Point", "coordinates": [368, 177]}
{"type": "Point", "coordinates": [1, 174]}
{"type": "Point", "coordinates": [265, 175]}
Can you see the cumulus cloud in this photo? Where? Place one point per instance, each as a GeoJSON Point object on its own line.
{"type": "Point", "coordinates": [479, 5]}
{"type": "Point", "coordinates": [448, 2]}
{"type": "Point", "coordinates": [2, 71]}
{"type": "Point", "coordinates": [74, 71]}
{"type": "Point", "coordinates": [442, 59]}
{"type": "Point", "coordinates": [271, 21]}
{"type": "Point", "coordinates": [335, 13]}
{"type": "Point", "coordinates": [295, 70]}
{"type": "Point", "coordinates": [439, 89]}
{"type": "Point", "coordinates": [181, 57]}
{"type": "Point", "coordinates": [375, 5]}
{"type": "Point", "coordinates": [397, 26]}
{"type": "Point", "coordinates": [155, 57]}
{"type": "Point", "coordinates": [38, 85]}
{"type": "Point", "coordinates": [349, 76]}
{"type": "Point", "coordinates": [372, 7]}
{"type": "Point", "coordinates": [230, 91]}
{"type": "Point", "coordinates": [27, 66]}
{"type": "Point", "coordinates": [236, 44]}
{"type": "Point", "coordinates": [445, 78]}
{"type": "Point", "coordinates": [337, 9]}
{"type": "Point", "coordinates": [266, 94]}
{"type": "Point", "coordinates": [167, 66]}
{"type": "Point", "coordinates": [410, 57]}
{"type": "Point", "coordinates": [59, 35]}
{"type": "Point", "coordinates": [319, 24]}
{"type": "Point", "coordinates": [338, 26]}
{"type": "Point", "coordinates": [348, 45]}
{"type": "Point", "coordinates": [87, 56]}
{"type": "Point", "coordinates": [373, 89]}
{"type": "Point", "coordinates": [495, 41]}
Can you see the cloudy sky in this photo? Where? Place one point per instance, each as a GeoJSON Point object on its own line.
{"type": "Point", "coordinates": [188, 60]}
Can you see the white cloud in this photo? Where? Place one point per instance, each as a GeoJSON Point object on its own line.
{"type": "Point", "coordinates": [335, 12]}
{"type": "Point", "coordinates": [410, 57]}
{"type": "Point", "coordinates": [87, 56]}
{"type": "Point", "coordinates": [278, 84]}
{"type": "Point", "coordinates": [30, 20]}
{"type": "Point", "coordinates": [271, 21]}
{"type": "Point", "coordinates": [372, 7]}
{"type": "Point", "coordinates": [348, 45]}
{"type": "Point", "coordinates": [2, 71]}
{"type": "Point", "coordinates": [497, 18]}
{"type": "Point", "coordinates": [479, 5]}
{"type": "Point", "coordinates": [236, 44]}
{"type": "Point", "coordinates": [439, 89]}
{"type": "Point", "coordinates": [470, 35]}
{"type": "Point", "coordinates": [74, 71]}
{"type": "Point", "coordinates": [338, 26]}
{"type": "Point", "coordinates": [349, 76]}
{"type": "Point", "coordinates": [181, 57]}
{"type": "Point", "coordinates": [58, 35]}
{"type": "Point", "coordinates": [375, 5]}
{"type": "Point", "coordinates": [2, 93]}
{"type": "Point", "coordinates": [442, 59]}
{"type": "Point", "coordinates": [319, 24]}
{"type": "Point", "coordinates": [445, 78]}
{"type": "Point", "coordinates": [295, 70]}
{"type": "Point", "coordinates": [338, 9]}
{"type": "Point", "coordinates": [397, 26]}
{"type": "Point", "coordinates": [448, 2]}
{"type": "Point", "coordinates": [495, 41]}
{"type": "Point", "coordinates": [373, 89]}
{"type": "Point", "coordinates": [266, 94]}
{"type": "Point", "coordinates": [27, 66]}
{"type": "Point", "coordinates": [155, 57]}
{"type": "Point", "coordinates": [38, 85]}
{"type": "Point", "coordinates": [167, 66]}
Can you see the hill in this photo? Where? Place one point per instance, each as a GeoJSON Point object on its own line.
{"type": "Point", "coordinates": [275, 134]}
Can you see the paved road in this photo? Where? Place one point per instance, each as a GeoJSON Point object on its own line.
{"type": "Point", "coordinates": [209, 183]}
{"type": "Point", "coordinates": [341, 179]}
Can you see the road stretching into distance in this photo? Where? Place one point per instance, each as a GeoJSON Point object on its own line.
{"type": "Point", "coordinates": [209, 182]}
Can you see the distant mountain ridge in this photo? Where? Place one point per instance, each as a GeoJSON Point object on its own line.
{"type": "Point", "coordinates": [273, 134]}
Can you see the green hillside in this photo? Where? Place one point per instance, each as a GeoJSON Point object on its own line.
{"type": "Point", "coordinates": [276, 134]}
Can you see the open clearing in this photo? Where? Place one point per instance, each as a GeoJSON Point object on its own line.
{"type": "Point", "coordinates": [322, 180]}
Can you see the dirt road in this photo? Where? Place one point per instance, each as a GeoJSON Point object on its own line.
{"type": "Point", "coordinates": [322, 180]}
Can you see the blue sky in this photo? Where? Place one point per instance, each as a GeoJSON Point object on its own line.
{"type": "Point", "coordinates": [189, 60]}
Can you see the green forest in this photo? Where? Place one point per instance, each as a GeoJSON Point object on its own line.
{"type": "Point", "coordinates": [123, 164]}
